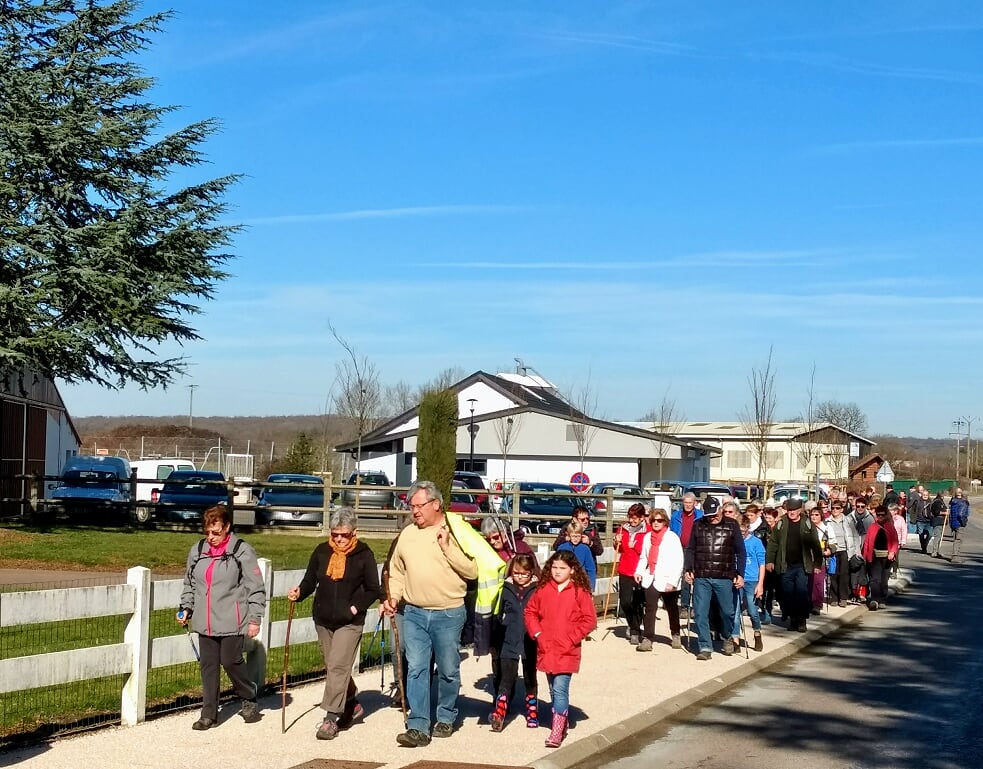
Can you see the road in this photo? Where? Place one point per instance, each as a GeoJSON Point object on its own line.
{"type": "Point", "coordinates": [899, 688]}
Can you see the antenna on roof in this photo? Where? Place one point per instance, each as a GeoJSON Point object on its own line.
{"type": "Point", "coordinates": [520, 367]}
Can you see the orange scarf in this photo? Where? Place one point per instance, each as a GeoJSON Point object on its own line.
{"type": "Point", "coordinates": [339, 555]}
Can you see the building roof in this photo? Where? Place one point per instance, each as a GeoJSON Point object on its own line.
{"type": "Point", "coordinates": [864, 462]}
{"type": "Point", "coordinates": [739, 430]}
{"type": "Point", "coordinates": [33, 388]}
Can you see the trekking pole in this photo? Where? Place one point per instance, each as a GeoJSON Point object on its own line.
{"type": "Point", "coordinates": [741, 603]}
{"type": "Point", "coordinates": [382, 652]}
{"type": "Point", "coordinates": [398, 657]}
{"type": "Point", "coordinates": [187, 630]}
{"type": "Point", "coordinates": [286, 662]}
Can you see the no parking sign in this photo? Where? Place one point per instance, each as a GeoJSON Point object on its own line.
{"type": "Point", "coordinates": [579, 481]}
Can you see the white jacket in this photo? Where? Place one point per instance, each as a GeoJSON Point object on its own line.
{"type": "Point", "coordinates": [668, 565]}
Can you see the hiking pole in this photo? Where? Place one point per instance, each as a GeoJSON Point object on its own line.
{"type": "Point", "coordinates": [286, 662]}
{"type": "Point", "coordinates": [382, 652]}
{"type": "Point", "coordinates": [187, 629]}
{"type": "Point", "coordinates": [397, 656]}
{"type": "Point", "coordinates": [741, 603]}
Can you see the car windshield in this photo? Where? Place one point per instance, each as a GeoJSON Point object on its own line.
{"type": "Point", "coordinates": [371, 480]}
{"type": "Point", "coordinates": [196, 486]}
{"type": "Point", "coordinates": [79, 478]}
{"type": "Point", "coordinates": [307, 491]}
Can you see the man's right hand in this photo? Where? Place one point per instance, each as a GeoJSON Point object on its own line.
{"type": "Point", "coordinates": [388, 607]}
{"type": "Point", "coordinates": [769, 567]}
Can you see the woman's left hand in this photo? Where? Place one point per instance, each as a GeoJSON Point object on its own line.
{"type": "Point", "coordinates": [253, 630]}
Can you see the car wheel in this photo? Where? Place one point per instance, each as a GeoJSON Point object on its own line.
{"type": "Point", "coordinates": [142, 514]}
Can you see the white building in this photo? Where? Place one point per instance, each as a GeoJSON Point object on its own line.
{"type": "Point", "coordinates": [789, 450]}
{"type": "Point", "coordinates": [525, 430]}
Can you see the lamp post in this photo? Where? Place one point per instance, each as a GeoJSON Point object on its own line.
{"type": "Point", "coordinates": [471, 401]}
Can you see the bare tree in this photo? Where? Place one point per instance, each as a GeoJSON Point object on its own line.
{"type": "Point", "coordinates": [849, 416]}
{"type": "Point", "coordinates": [759, 416]}
{"type": "Point", "coordinates": [805, 444]}
{"type": "Point", "coordinates": [442, 381]}
{"type": "Point", "coordinates": [398, 398]}
{"type": "Point", "coordinates": [666, 419]}
{"type": "Point", "coordinates": [583, 405]}
{"type": "Point", "coordinates": [359, 395]}
{"type": "Point", "coordinates": [507, 431]}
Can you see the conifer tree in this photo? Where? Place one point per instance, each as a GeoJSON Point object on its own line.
{"type": "Point", "coordinates": [436, 446]}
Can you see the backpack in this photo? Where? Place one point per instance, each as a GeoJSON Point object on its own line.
{"type": "Point", "coordinates": [225, 556]}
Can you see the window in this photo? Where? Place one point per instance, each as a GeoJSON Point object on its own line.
{"type": "Point", "coordinates": [775, 460]}
{"type": "Point", "coordinates": [738, 460]}
{"type": "Point", "coordinates": [715, 462]}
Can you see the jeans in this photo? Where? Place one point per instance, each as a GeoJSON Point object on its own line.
{"type": "Point", "coordinates": [745, 600]}
{"type": "Point", "coordinates": [924, 530]}
{"type": "Point", "coordinates": [559, 692]}
{"type": "Point", "coordinates": [704, 589]}
{"type": "Point", "coordinates": [436, 632]}
{"type": "Point", "coordinates": [796, 602]}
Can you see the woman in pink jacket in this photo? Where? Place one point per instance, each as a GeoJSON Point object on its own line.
{"type": "Point", "coordinates": [560, 615]}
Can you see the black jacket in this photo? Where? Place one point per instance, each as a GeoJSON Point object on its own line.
{"type": "Point", "coordinates": [513, 641]}
{"type": "Point", "coordinates": [716, 550]}
{"type": "Point", "coordinates": [358, 587]}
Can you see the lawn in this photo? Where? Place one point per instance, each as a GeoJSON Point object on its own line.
{"type": "Point", "coordinates": [90, 548]}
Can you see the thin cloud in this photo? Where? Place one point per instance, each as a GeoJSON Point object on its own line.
{"type": "Point", "coordinates": [858, 67]}
{"type": "Point", "coordinates": [384, 213]}
{"type": "Point", "coordinates": [661, 47]}
{"type": "Point", "coordinates": [901, 144]}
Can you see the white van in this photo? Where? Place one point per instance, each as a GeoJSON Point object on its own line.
{"type": "Point", "coordinates": [151, 470]}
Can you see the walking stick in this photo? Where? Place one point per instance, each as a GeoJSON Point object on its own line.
{"type": "Point", "coordinates": [382, 652]}
{"type": "Point", "coordinates": [286, 661]}
{"type": "Point", "coordinates": [398, 656]}
{"type": "Point", "coordinates": [938, 544]}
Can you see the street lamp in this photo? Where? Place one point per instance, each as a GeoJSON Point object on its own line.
{"type": "Point", "coordinates": [471, 401]}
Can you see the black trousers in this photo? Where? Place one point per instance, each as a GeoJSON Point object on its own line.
{"type": "Point", "coordinates": [510, 673]}
{"type": "Point", "coordinates": [879, 570]}
{"type": "Point", "coordinates": [670, 602]}
{"type": "Point", "coordinates": [631, 597]}
{"type": "Point", "coordinates": [226, 651]}
{"type": "Point", "coordinates": [839, 583]}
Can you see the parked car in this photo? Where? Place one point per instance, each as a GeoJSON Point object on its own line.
{"type": "Point", "coordinates": [477, 484]}
{"type": "Point", "coordinates": [186, 494]}
{"type": "Point", "coordinates": [91, 485]}
{"type": "Point", "coordinates": [676, 489]}
{"type": "Point", "coordinates": [149, 470]}
{"type": "Point", "coordinates": [374, 491]}
{"type": "Point", "coordinates": [291, 498]}
{"type": "Point", "coordinates": [784, 491]}
{"type": "Point", "coordinates": [500, 488]}
{"type": "Point", "coordinates": [553, 499]}
{"type": "Point", "coordinates": [624, 496]}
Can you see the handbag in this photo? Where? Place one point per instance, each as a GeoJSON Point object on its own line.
{"type": "Point", "coordinates": [831, 565]}
{"type": "Point", "coordinates": [856, 562]}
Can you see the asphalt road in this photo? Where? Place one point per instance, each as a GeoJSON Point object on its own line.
{"type": "Point", "coordinates": [899, 688]}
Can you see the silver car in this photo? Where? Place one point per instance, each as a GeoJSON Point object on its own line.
{"type": "Point", "coordinates": [373, 491]}
{"type": "Point", "coordinates": [624, 495]}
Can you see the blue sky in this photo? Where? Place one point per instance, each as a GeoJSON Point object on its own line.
{"type": "Point", "coordinates": [642, 196]}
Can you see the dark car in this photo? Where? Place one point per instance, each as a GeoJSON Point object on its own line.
{"type": "Point", "coordinates": [186, 494]}
{"type": "Point", "coordinates": [537, 500]}
{"type": "Point", "coordinates": [291, 498]}
{"type": "Point", "coordinates": [476, 483]}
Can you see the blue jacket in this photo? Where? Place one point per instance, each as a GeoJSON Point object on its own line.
{"type": "Point", "coordinates": [755, 558]}
{"type": "Point", "coordinates": [958, 512]}
{"type": "Point", "coordinates": [586, 558]}
{"type": "Point", "coordinates": [676, 520]}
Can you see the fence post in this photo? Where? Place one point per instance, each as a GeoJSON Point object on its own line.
{"type": "Point", "coordinates": [36, 494]}
{"type": "Point", "coordinates": [257, 648]}
{"type": "Point", "coordinates": [133, 707]}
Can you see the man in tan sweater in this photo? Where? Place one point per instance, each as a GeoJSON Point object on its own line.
{"type": "Point", "coordinates": [428, 571]}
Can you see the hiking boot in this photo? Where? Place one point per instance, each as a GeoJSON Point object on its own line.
{"type": "Point", "coordinates": [703, 656]}
{"type": "Point", "coordinates": [727, 648]}
{"type": "Point", "coordinates": [645, 645]}
{"type": "Point", "coordinates": [633, 639]}
{"type": "Point", "coordinates": [328, 729]}
{"type": "Point", "coordinates": [873, 606]}
{"type": "Point", "coordinates": [737, 646]}
{"type": "Point", "coordinates": [841, 604]}
{"type": "Point", "coordinates": [249, 711]}
{"type": "Point", "coordinates": [413, 738]}
{"type": "Point", "coordinates": [758, 643]}
{"type": "Point", "coordinates": [443, 729]}
{"type": "Point", "coordinates": [676, 643]}
{"type": "Point", "coordinates": [203, 723]}
{"type": "Point", "coordinates": [684, 612]}
{"type": "Point", "coordinates": [801, 626]}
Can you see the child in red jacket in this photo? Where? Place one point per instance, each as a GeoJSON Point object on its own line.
{"type": "Point", "coordinates": [560, 615]}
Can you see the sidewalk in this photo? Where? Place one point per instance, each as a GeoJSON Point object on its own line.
{"type": "Point", "coordinates": [617, 693]}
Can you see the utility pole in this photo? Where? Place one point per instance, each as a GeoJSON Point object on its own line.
{"type": "Point", "coordinates": [968, 421]}
{"type": "Point", "coordinates": [957, 432]}
{"type": "Point", "coordinates": [191, 405]}
{"type": "Point", "coordinates": [471, 401]}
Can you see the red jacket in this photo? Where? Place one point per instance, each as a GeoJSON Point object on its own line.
{"type": "Point", "coordinates": [563, 619]}
{"type": "Point", "coordinates": [629, 549]}
{"type": "Point", "coordinates": [892, 541]}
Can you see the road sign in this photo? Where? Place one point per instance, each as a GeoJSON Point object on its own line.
{"type": "Point", "coordinates": [579, 481]}
{"type": "Point", "coordinates": [885, 474]}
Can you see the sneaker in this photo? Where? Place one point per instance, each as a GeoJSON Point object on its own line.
{"type": "Point", "coordinates": [249, 712]}
{"type": "Point", "coordinates": [203, 723]}
{"type": "Point", "coordinates": [328, 729]}
{"type": "Point", "coordinates": [676, 643]}
{"type": "Point", "coordinates": [645, 645]}
{"type": "Point", "coordinates": [873, 606]}
{"type": "Point", "coordinates": [351, 715]}
{"type": "Point", "coordinates": [703, 656]}
{"type": "Point", "coordinates": [443, 729]}
{"type": "Point", "coordinates": [633, 639]}
{"type": "Point", "coordinates": [841, 604]}
{"type": "Point", "coordinates": [413, 738]}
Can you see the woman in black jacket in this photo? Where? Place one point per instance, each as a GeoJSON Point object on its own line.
{"type": "Point", "coordinates": [343, 576]}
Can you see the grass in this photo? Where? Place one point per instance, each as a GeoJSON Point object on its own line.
{"type": "Point", "coordinates": [89, 548]}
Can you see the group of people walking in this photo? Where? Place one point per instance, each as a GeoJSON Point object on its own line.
{"type": "Point", "coordinates": [705, 565]}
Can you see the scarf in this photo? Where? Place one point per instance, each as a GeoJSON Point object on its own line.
{"type": "Point", "coordinates": [654, 547]}
{"type": "Point", "coordinates": [339, 555]}
{"type": "Point", "coordinates": [632, 531]}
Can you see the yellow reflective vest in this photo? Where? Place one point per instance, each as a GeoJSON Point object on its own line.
{"type": "Point", "coordinates": [491, 567]}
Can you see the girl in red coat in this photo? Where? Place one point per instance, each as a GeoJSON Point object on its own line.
{"type": "Point", "coordinates": [560, 615]}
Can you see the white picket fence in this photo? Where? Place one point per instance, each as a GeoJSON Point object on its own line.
{"type": "Point", "coordinates": [139, 653]}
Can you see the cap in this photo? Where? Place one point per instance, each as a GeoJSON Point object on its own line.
{"type": "Point", "coordinates": [793, 503]}
{"type": "Point", "coordinates": [710, 505]}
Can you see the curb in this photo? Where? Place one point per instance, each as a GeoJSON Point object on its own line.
{"type": "Point", "coordinates": [576, 752]}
